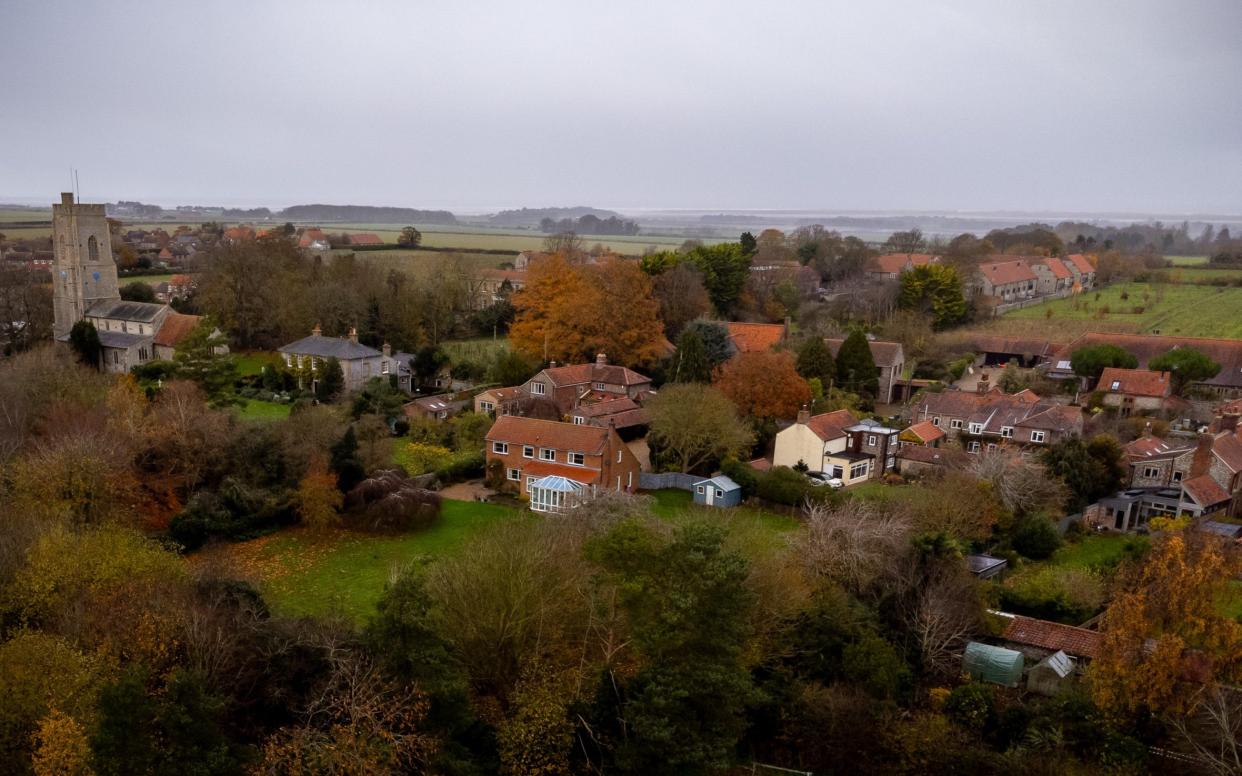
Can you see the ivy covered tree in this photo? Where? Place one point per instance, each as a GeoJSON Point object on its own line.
{"type": "Point", "coordinates": [691, 364]}
{"type": "Point", "coordinates": [331, 380]}
{"type": "Point", "coordinates": [934, 289]}
{"type": "Point", "coordinates": [202, 357]}
{"type": "Point", "coordinates": [345, 463]}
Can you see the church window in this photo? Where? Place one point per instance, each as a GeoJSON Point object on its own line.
{"type": "Point", "coordinates": [92, 248]}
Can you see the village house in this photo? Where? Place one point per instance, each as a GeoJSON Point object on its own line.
{"type": "Point", "coordinates": [1053, 277]}
{"type": "Point", "coordinates": [986, 419]}
{"type": "Point", "coordinates": [890, 358]}
{"type": "Point", "coordinates": [570, 387]}
{"type": "Point", "coordinates": [433, 407]}
{"type": "Point", "coordinates": [1131, 391]}
{"type": "Point", "coordinates": [622, 413]}
{"type": "Point", "coordinates": [522, 451]}
{"type": "Point", "coordinates": [838, 445]}
{"type": "Point", "coordinates": [1144, 347]}
{"type": "Point", "coordinates": [499, 401]}
{"type": "Point", "coordinates": [1002, 282]}
{"type": "Point", "coordinates": [1083, 271]}
{"type": "Point", "coordinates": [492, 285]}
{"type": "Point", "coordinates": [359, 363]}
{"type": "Point", "coordinates": [756, 337]}
{"type": "Point", "coordinates": [891, 265]}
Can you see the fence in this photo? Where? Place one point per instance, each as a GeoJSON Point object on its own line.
{"type": "Point", "coordinates": [679, 480]}
{"type": "Point", "coordinates": [1001, 309]}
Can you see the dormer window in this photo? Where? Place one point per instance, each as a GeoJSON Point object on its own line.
{"type": "Point", "coordinates": [1007, 432]}
{"type": "Point", "coordinates": [976, 428]}
{"type": "Point", "coordinates": [537, 389]}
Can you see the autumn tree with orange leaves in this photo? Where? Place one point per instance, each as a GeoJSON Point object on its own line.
{"type": "Point", "coordinates": [569, 312]}
{"type": "Point", "coordinates": [764, 385]}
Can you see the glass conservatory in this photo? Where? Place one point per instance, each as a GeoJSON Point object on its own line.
{"type": "Point", "coordinates": [556, 494]}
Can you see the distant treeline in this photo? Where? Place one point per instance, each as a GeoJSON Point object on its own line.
{"type": "Point", "coordinates": [533, 216]}
{"type": "Point", "coordinates": [366, 214]}
{"type": "Point", "coordinates": [589, 224]}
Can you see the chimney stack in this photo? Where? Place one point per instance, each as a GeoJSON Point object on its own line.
{"type": "Point", "coordinates": [387, 350]}
{"type": "Point", "coordinates": [353, 334]}
{"type": "Point", "coordinates": [66, 198]}
{"type": "Point", "coordinates": [1228, 421]}
{"type": "Point", "coordinates": [601, 359]}
{"type": "Point", "coordinates": [804, 415]}
{"type": "Point", "coordinates": [983, 384]}
{"type": "Point", "coordinates": [317, 331]}
{"type": "Point", "coordinates": [1202, 461]}
{"type": "Point", "coordinates": [551, 365]}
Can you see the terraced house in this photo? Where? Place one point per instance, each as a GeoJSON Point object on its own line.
{"type": "Point", "coordinates": [987, 419]}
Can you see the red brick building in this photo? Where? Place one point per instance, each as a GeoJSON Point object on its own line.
{"type": "Point", "coordinates": [528, 449]}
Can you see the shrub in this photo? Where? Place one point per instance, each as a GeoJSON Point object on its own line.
{"type": "Point", "coordinates": [972, 706]}
{"type": "Point", "coordinates": [742, 474]}
{"type": "Point", "coordinates": [1066, 595]}
{"type": "Point", "coordinates": [462, 466]}
{"type": "Point", "coordinates": [389, 502]}
{"type": "Point", "coordinates": [1036, 537]}
{"type": "Point", "coordinates": [420, 458]}
{"type": "Point", "coordinates": [234, 511]}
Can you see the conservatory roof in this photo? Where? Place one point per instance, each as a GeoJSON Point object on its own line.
{"type": "Point", "coordinates": [555, 483]}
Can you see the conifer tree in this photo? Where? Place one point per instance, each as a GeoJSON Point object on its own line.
{"type": "Point", "coordinates": [856, 369]}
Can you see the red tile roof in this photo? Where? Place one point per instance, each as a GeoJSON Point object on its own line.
{"type": "Point", "coordinates": [1148, 447]}
{"type": "Point", "coordinates": [925, 431]}
{"type": "Point", "coordinates": [594, 372]}
{"type": "Point", "coordinates": [755, 337]}
{"type": "Point", "coordinates": [548, 433]}
{"type": "Point", "coordinates": [1053, 636]}
{"type": "Point", "coordinates": [1144, 347]}
{"type": "Point", "coordinates": [831, 425]}
{"type": "Point", "coordinates": [1000, 273]}
{"type": "Point", "coordinates": [1059, 270]}
{"type": "Point", "coordinates": [175, 328]}
{"type": "Point", "coordinates": [1079, 262]}
{"type": "Point", "coordinates": [365, 238]}
{"type": "Point", "coordinates": [584, 474]}
{"type": "Point", "coordinates": [1228, 448]}
{"type": "Point", "coordinates": [893, 263]}
{"type": "Point", "coordinates": [1205, 491]}
{"type": "Point", "coordinates": [1136, 382]}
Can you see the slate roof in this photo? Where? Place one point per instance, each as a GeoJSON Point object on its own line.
{"type": "Point", "coordinates": [1000, 273]}
{"type": "Point", "coordinates": [548, 433]}
{"type": "Point", "coordinates": [883, 353]}
{"type": "Point", "coordinates": [1136, 382]}
{"type": "Point", "coordinates": [143, 312]}
{"type": "Point", "coordinates": [340, 348]}
{"type": "Point", "coordinates": [1054, 636]}
{"type": "Point", "coordinates": [755, 337]}
{"type": "Point", "coordinates": [175, 328]}
{"type": "Point", "coordinates": [1205, 491]}
{"type": "Point", "coordinates": [121, 339]}
{"type": "Point", "coordinates": [1011, 345]}
{"type": "Point", "coordinates": [720, 481]}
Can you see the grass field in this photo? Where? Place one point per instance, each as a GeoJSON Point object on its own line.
{"type": "Point", "coordinates": [252, 363]}
{"type": "Point", "coordinates": [1185, 310]}
{"type": "Point", "coordinates": [421, 263]}
{"type": "Point", "coordinates": [260, 411]}
{"type": "Point", "coordinates": [672, 504]}
{"type": "Point", "coordinates": [479, 351]}
{"type": "Point", "coordinates": [1098, 551]}
{"type": "Point", "coordinates": [343, 572]}
{"type": "Point", "coordinates": [1187, 261]}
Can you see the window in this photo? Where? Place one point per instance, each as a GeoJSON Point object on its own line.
{"type": "Point", "coordinates": [972, 447]}
{"type": "Point", "coordinates": [871, 440]}
{"type": "Point", "coordinates": [1037, 436]}
{"type": "Point", "coordinates": [579, 420]}
{"type": "Point", "coordinates": [618, 456]}
{"type": "Point", "coordinates": [577, 459]}
{"type": "Point", "coordinates": [991, 447]}
{"type": "Point", "coordinates": [976, 428]}
{"type": "Point", "coordinates": [486, 406]}
{"type": "Point", "coordinates": [514, 475]}
{"type": "Point", "coordinates": [1177, 476]}
{"type": "Point", "coordinates": [547, 454]}
{"type": "Point", "coordinates": [859, 469]}
{"type": "Point", "coordinates": [124, 327]}
{"type": "Point", "coordinates": [702, 490]}
{"type": "Point", "coordinates": [837, 471]}
{"type": "Point", "coordinates": [1116, 386]}
{"type": "Point", "coordinates": [500, 448]}
{"type": "Point", "coordinates": [719, 493]}
{"type": "Point", "coordinates": [530, 481]}
{"type": "Point", "coordinates": [528, 451]}
{"type": "Point", "coordinates": [599, 386]}
{"type": "Point", "coordinates": [537, 389]}
{"type": "Point", "coordinates": [955, 423]}
{"type": "Point", "coordinates": [936, 421]}
{"type": "Point", "coordinates": [1007, 432]}
{"type": "Point", "coordinates": [92, 248]}
{"type": "Point", "coordinates": [384, 366]}
{"type": "Point", "coordinates": [1151, 472]}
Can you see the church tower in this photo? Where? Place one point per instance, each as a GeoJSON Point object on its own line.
{"type": "Point", "coordinates": [84, 271]}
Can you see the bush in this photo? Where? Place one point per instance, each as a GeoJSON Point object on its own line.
{"type": "Point", "coordinates": [1066, 595]}
{"type": "Point", "coordinates": [235, 511]}
{"type": "Point", "coordinates": [390, 502]}
{"type": "Point", "coordinates": [782, 485]}
{"type": "Point", "coordinates": [1036, 537]}
{"type": "Point", "coordinates": [742, 474]}
{"type": "Point", "coordinates": [972, 706]}
{"type": "Point", "coordinates": [462, 466]}
{"type": "Point", "coordinates": [419, 458]}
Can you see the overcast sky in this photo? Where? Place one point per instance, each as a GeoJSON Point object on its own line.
{"type": "Point", "coordinates": [1060, 106]}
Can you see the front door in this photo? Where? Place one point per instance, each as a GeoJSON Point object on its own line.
{"type": "Point", "coordinates": [711, 492]}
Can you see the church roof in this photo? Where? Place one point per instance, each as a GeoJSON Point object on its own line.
{"type": "Point", "coordinates": [120, 310]}
{"type": "Point", "coordinates": [175, 328]}
{"type": "Point", "coordinates": [122, 340]}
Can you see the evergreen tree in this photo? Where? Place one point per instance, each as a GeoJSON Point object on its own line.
{"type": "Point", "coordinates": [815, 360]}
{"type": "Point", "coordinates": [84, 339]}
{"type": "Point", "coordinates": [936, 290]}
{"type": "Point", "coordinates": [749, 244]}
{"type": "Point", "coordinates": [691, 358]}
{"type": "Point", "coordinates": [331, 380]}
{"type": "Point", "coordinates": [1186, 365]}
{"type": "Point", "coordinates": [345, 462]}
{"type": "Point", "coordinates": [197, 359]}
{"type": "Point", "coordinates": [715, 338]}
{"type": "Point", "coordinates": [856, 369]}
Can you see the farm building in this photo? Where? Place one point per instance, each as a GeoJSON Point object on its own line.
{"type": "Point", "coordinates": [719, 491]}
{"type": "Point", "coordinates": [1051, 675]}
{"type": "Point", "coordinates": [993, 664]}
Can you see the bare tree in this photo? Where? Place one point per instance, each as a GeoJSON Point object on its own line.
{"type": "Point", "coordinates": [945, 614]}
{"type": "Point", "coordinates": [1022, 484]}
{"type": "Point", "coordinates": [567, 243]}
{"type": "Point", "coordinates": [857, 545]}
{"type": "Point", "coordinates": [1212, 731]}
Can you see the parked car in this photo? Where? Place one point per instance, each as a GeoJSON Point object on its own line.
{"type": "Point", "coordinates": [819, 480]}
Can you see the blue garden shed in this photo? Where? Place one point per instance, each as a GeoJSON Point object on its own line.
{"type": "Point", "coordinates": [719, 491]}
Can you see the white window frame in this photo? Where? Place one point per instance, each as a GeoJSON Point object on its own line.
{"type": "Point", "coordinates": [514, 474]}
{"type": "Point", "coordinates": [600, 387]}
{"type": "Point", "coordinates": [1177, 475]}
{"type": "Point", "coordinates": [1116, 386]}
{"type": "Point", "coordinates": [955, 424]}
{"type": "Point", "coordinates": [975, 428]}
{"type": "Point", "coordinates": [547, 454]}
{"type": "Point", "coordinates": [972, 447]}
{"type": "Point", "coordinates": [537, 388]}
{"type": "Point", "coordinates": [579, 420]}
{"type": "Point", "coordinates": [702, 491]}
{"type": "Point", "coordinates": [1151, 472]}
{"type": "Point", "coordinates": [936, 421]}
{"type": "Point", "coordinates": [500, 448]}
{"type": "Point", "coordinates": [1038, 436]}
{"type": "Point", "coordinates": [872, 440]}
{"type": "Point", "coordinates": [859, 470]}
{"type": "Point", "coordinates": [576, 459]}
{"type": "Point", "coordinates": [991, 447]}
{"type": "Point", "coordinates": [1007, 432]}
{"type": "Point", "coordinates": [528, 451]}
{"type": "Point", "coordinates": [486, 406]}
{"type": "Point", "coordinates": [618, 456]}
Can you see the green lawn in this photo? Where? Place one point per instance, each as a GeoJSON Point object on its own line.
{"type": "Point", "coordinates": [257, 410]}
{"type": "Point", "coordinates": [1097, 551]}
{"type": "Point", "coordinates": [481, 350]}
{"type": "Point", "coordinates": [343, 572]}
{"type": "Point", "coordinates": [1187, 261]}
{"type": "Point", "coordinates": [249, 364]}
{"type": "Point", "coordinates": [1165, 308]}
{"type": "Point", "coordinates": [673, 504]}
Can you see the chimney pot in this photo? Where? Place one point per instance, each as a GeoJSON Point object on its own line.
{"type": "Point", "coordinates": [386, 349]}
{"type": "Point", "coordinates": [317, 331]}
{"type": "Point", "coordinates": [601, 359]}
{"type": "Point", "coordinates": [804, 415]}
{"type": "Point", "coordinates": [353, 334]}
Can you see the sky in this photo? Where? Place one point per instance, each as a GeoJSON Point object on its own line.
{"type": "Point", "coordinates": [1084, 106]}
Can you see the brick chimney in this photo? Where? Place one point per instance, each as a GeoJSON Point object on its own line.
{"type": "Point", "coordinates": [353, 334]}
{"type": "Point", "coordinates": [983, 385]}
{"type": "Point", "coordinates": [804, 416]}
{"type": "Point", "coordinates": [551, 365]}
{"type": "Point", "coordinates": [386, 349]}
{"type": "Point", "coordinates": [601, 359]}
{"type": "Point", "coordinates": [317, 331]}
{"type": "Point", "coordinates": [1227, 422]}
{"type": "Point", "coordinates": [1202, 461]}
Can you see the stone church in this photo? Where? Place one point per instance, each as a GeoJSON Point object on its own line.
{"type": "Point", "coordinates": [86, 288]}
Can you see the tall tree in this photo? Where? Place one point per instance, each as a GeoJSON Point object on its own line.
{"type": "Point", "coordinates": [682, 296]}
{"type": "Point", "coordinates": [1091, 469]}
{"type": "Point", "coordinates": [716, 342]}
{"type": "Point", "coordinates": [345, 462]}
{"type": "Point", "coordinates": [84, 339]}
{"type": "Point", "coordinates": [696, 426]}
{"type": "Point", "coordinates": [410, 237]}
{"type": "Point", "coordinates": [203, 358]}
{"type": "Point", "coordinates": [934, 289]}
{"type": "Point", "coordinates": [691, 362]}
{"type": "Point", "coordinates": [815, 361]}
{"type": "Point", "coordinates": [1090, 361]}
{"type": "Point", "coordinates": [856, 369]}
{"type": "Point", "coordinates": [331, 380]}
{"type": "Point", "coordinates": [764, 385]}
{"type": "Point", "coordinates": [1186, 365]}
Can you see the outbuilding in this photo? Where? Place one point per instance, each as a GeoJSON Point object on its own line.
{"type": "Point", "coordinates": [993, 664]}
{"type": "Point", "coordinates": [719, 491]}
{"type": "Point", "coordinates": [1051, 675]}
